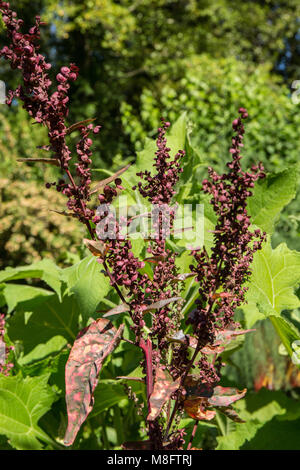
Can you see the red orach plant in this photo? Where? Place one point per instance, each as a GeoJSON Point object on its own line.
{"type": "Point", "coordinates": [189, 376]}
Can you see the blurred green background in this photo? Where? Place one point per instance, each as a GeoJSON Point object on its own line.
{"type": "Point", "coordinates": [146, 58]}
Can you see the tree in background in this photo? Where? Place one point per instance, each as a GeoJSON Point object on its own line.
{"type": "Point", "coordinates": [125, 47]}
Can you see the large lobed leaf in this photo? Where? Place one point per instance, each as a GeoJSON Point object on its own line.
{"type": "Point", "coordinates": [266, 414]}
{"type": "Point", "coordinates": [90, 349]}
{"type": "Point", "coordinates": [271, 195]}
{"type": "Point", "coordinates": [275, 275]}
{"type": "Point", "coordinates": [22, 403]}
{"type": "Point", "coordinates": [87, 283]}
{"type": "Point", "coordinates": [46, 270]}
{"type": "Point", "coordinates": [42, 325]}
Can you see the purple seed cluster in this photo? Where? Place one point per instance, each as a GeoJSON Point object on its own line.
{"type": "Point", "coordinates": [49, 107]}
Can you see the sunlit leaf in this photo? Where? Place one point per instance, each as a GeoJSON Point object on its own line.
{"type": "Point", "coordinates": [23, 401]}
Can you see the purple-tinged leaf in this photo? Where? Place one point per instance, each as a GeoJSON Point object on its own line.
{"type": "Point", "coordinates": [193, 342]}
{"type": "Point", "coordinates": [231, 414]}
{"type": "Point", "coordinates": [91, 347]}
{"type": "Point", "coordinates": [224, 396]}
{"type": "Point", "coordinates": [117, 310]}
{"type": "Point", "coordinates": [223, 338]}
{"type": "Point", "coordinates": [164, 387]}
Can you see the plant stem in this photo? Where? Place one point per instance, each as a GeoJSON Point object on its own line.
{"type": "Point", "coordinates": [192, 435]}
{"type": "Point", "coordinates": [191, 362]}
{"type": "Point", "coordinates": [147, 348]}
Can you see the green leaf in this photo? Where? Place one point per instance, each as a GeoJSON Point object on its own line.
{"type": "Point", "coordinates": [88, 284]}
{"type": "Point", "coordinates": [18, 293]}
{"type": "Point", "coordinates": [46, 270]}
{"type": "Point", "coordinates": [275, 275]}
{"type": "Point", "coordinates": [271, 195]}
{"type": "Point", "coordinates": [266, 413]}
{"type": "Point", "coordinates": [43, 326]}
{"type": "Point", "coordinates": [22, 403]}
{"type": "Point", "coordinates": [176, 138]}
{"type": "Point", "coordinates": [254, 421]}
{"type": "Point", "coordinates": [287, 332]}
{"type": "Point", "coordinates": [107, 394]}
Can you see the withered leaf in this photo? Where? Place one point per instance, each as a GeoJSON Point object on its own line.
{"type": "Point", "coordinates": [183, 277]}
{"type": "Point", "coordinates": [135, 379]}
{"type": "Point", "coordinates": [225, 336]}
{"type": "Point", "coordinates": [91, 347]}
{"type": "Point", "coordinates": [178, 337]}
{"type": "Point", "coordinates": [212, 349]}
{"type": "Point", "coordinates": [161, 303]}
{"type": "Point", "coordinates": [78, 125]}
{"type": "Point", "coordinates": [49, 161]}
{"type": "Point", "coordinates": [66, 214]}
{"type": "Point", "coordinates": [145, 214]}
{"type": "Point", "coordinates": [2, 352]}
{"type": "Point", "coordinates": [108, 180]}
{"type": "Point", "coordinates": [231, 414]}
{"type": "Point", "coordinates": [116, 310]}
{"type": "Point", "coordinates": [195, 388]}
{"type": "Point", "coordinates": [193, 342]}
{"type": "Point", "coordinates": [196, 409]}
{"type": "Point", "coordinates": [164, 387]}
{"type": "Point", "coordinates": [224, 396]}
{"type": "Point", "coordinates": [155, 259]}
{"type": "Point", "coordinates": [44, 147]}
{"type": "Point", "coordinates": [96, 247]}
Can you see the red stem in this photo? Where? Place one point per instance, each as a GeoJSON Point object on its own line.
{"type": "Point", "coordinates": [147, 348]}
{"type": "Point", "coordinates": [192, 435]}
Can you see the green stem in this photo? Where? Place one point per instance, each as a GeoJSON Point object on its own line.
{"type": "Point", "coordinates": [220, 424]}
{"type": "Point", "coordinates": [118, 425]}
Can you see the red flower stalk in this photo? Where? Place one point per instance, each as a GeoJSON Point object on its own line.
{"type": "Point", "coordinates": [227, 268]}
{"type": "Point", "coordinates": [49, 108]}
